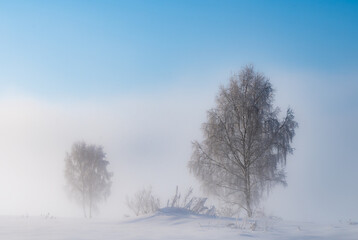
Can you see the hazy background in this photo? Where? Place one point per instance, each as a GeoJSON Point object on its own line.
{"type": "Point", "coordinates": [138, 78]}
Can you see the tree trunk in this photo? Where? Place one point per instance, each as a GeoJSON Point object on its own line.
{"type": "Point", "coordinates": [84, 206]}
{"type": "Point", "coordinates": [248, 194]}
{"type": "Point", "coordinates": [90, 209]}
{"type": "Point", "coordinates": [90, 204]}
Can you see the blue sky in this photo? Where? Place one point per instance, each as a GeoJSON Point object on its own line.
{"type": "Point", "coordinates": [138, 76]}
{"type": "Point", "coordinates": [109, 47]}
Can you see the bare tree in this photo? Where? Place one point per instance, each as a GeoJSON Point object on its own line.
{"type": "Point", "coordinates": [87, 177]}
{"type": "Point", "coordinates": [245, 144]}
{"type": "Point", "coordinates": [143, 202]}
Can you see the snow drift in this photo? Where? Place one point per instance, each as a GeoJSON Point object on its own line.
{"type": "Point", "coordinates": [170, 223]}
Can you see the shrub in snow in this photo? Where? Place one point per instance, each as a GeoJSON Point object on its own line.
{"type": "Point", "coordinates": [143, 202]}
{"type": "Point", "coordinates": [193, 204]}
{"type": "Point", "coordinates": [228, 210]}
{"type": "Point", "coordinates": [253, 226]}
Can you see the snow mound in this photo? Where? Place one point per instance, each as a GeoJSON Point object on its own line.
{"type": "Point", "coordinates": [171, 216]}
{"type": "Point", "coordinates": [179, 212]}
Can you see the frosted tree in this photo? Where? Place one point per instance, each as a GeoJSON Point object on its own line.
{"type": "Point", "coordinates": [87, 177]}
{"type": "Point", "coordinates": [245, 144]}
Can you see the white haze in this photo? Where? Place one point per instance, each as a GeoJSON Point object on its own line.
{"type": "Point", "coordinates": [147, 139]}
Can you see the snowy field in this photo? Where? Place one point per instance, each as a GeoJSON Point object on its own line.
{"type": "Point", "coordinates": [169, 224]}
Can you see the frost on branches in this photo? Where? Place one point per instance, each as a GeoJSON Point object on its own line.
{"type": "Point", "coordinates": [245, 144]}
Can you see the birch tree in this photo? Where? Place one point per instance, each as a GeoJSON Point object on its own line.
{"type": "Point", "coordinates": [88, 179]}
{"type": "Point", "coordinates": [245, 144]}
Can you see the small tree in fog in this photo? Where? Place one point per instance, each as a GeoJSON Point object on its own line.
{"type": "Point", "coordinates": [143, 202]}
{"type": "Point", "coordinates": [245, 143]}
{"type": "Point", "coordinates": [87, 177]}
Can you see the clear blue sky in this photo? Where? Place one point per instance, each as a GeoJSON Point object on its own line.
{"type": "Point", "coordinates": [168, 58]}
{"type": "Point", "coordinates": [106, 47]}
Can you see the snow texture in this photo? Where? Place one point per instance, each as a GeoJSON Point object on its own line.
{"type": "Point", "coordinates": [170, 223]}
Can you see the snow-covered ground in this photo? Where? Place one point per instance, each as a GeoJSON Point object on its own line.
{"type": "Point", "coordinates": [170, 224]}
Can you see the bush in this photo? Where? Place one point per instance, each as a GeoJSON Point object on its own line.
{"type": "Point", "coordinates": [194, 204]}
{"type": "Point", "coordinates": [143, 202]}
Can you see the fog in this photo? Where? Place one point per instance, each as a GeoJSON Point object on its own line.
{"type": "Point", "coordinates": [147, 141]}
{"type": "Point", "coordinates": [321, 173]}
{"type": "Point", "coordinates": [147, 138]}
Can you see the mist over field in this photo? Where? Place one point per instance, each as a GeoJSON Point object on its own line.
{"type": "Point", "coordinates": [148, 143]}
{"type": "Point", "coordinates": [138, 81]}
